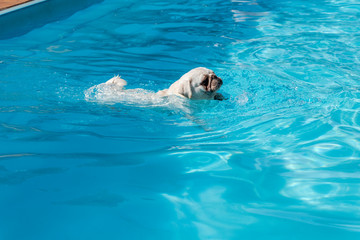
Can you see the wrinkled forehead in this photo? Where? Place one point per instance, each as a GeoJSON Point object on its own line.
{"type": "Point", "coordinates": [200, 72]}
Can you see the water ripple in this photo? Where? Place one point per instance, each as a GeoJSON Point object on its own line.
{"type": "Point", "coordinates": [282, 149]}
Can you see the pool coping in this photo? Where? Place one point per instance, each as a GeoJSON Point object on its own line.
{"type": "Point", "coordinates": [20, 6]}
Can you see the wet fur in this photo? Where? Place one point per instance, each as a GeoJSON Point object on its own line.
{"type": "Point", "coordinates": [199, 83]}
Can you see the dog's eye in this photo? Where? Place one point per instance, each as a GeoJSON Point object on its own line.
{"type": "Point", "coordinates": [205, 82]}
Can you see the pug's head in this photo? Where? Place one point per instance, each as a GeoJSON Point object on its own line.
{"type": "Point", "coordinates": [200, 83]}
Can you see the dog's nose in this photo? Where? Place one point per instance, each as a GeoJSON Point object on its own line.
{"type": "Point", "coordinates": [218, 83]}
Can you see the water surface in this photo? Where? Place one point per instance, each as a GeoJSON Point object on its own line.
{"type": "Point", "coordinates": [278, 160]}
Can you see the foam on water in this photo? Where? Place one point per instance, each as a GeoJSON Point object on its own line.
{"type": "Point", "coordinates": [109, 93]}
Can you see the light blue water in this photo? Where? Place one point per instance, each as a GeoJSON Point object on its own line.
{"type": "Point", "coordinates": [278, 160]}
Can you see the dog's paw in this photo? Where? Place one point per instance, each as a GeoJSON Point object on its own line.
{"type": "Point", "coordinates": [219, 97]}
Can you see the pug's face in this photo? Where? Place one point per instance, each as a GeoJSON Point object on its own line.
{"type": "Point", "coordinates": [204, 83]}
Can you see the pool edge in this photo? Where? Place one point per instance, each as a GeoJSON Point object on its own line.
{"type": "Point", "coordinates": [19, 6]}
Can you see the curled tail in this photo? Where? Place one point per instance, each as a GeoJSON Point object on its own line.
{"type": "Point", "coordinates": [117, 81]}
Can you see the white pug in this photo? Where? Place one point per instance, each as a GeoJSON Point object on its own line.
{"type": "Point", "coordinates": [199, 83]}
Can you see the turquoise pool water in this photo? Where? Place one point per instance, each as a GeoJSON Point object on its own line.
{"type": "Point", "coordinates": [278, 160]}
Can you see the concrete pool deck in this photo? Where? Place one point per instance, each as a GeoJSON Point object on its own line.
{"type": "Point", "coordinates": [5, 4]}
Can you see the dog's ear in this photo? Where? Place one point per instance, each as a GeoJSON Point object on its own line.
{"type": "Point", "coordinates": [187, 89]}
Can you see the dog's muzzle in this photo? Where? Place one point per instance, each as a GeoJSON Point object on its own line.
{"type": "Point", "coordinates": [215, 84]}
